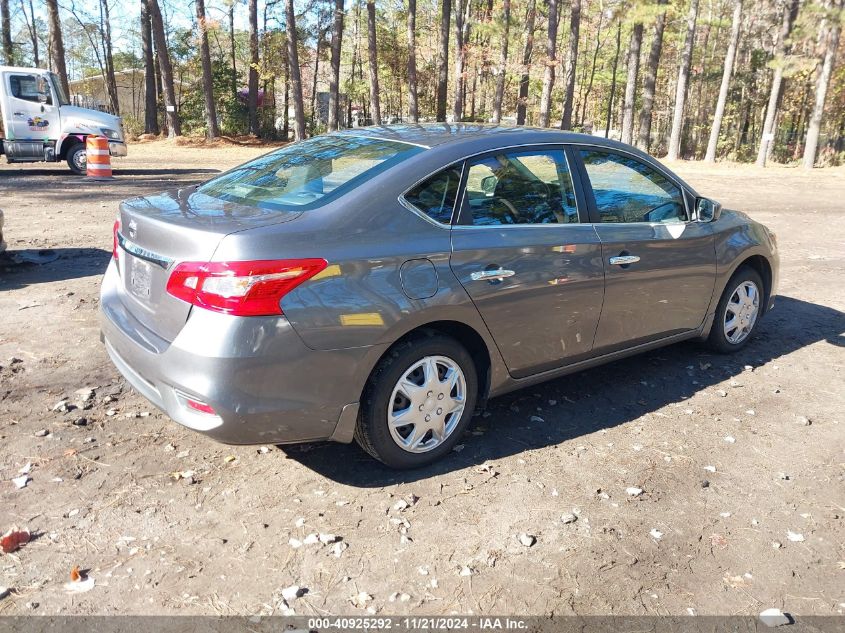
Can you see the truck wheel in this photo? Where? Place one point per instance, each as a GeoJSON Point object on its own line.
{"type": "Point", "coordinates": [77, 159]}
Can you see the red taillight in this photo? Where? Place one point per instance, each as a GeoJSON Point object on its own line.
{"type": "Point", "coordinates": [115, 230]}
{"type": "Point", "coordinates": [251, 288]}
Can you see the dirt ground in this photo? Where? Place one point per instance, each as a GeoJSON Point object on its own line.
{"type": "Point", "coordinates": [740, 458]}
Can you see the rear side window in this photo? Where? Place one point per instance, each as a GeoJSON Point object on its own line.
{"type": "Point", "coordinates": [436, 196]}
{"type": "Point", "coordinates": [308, 174]}
{"type": "Point", "coordinates": [627, 190]}
{"type": "Point", "coordinates": [531, 187]}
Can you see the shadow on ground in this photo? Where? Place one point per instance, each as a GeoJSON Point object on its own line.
{"type": "Point", "coordinates": [61, 264]}
{"type": "Point", "coordinates": [595, 399]}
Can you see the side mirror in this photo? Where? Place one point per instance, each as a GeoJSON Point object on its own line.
{"type": "Point", "coordinates": [707, 210]}
{"type": "Point", "coordinates": [488, 185]}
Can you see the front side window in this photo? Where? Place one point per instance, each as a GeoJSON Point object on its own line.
{"type": "Point", "coordinates": [521, 188]}
{"type": "Point", "coordinates": [308, 174]}
{"type": "Point", "coordinates": [436, 195]}
{"type": "Point", "coordinates": [30, 88]}
{"type": "Point", "coordinates": [627, 190]}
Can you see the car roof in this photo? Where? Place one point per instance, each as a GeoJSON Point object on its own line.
{"type": "Point", "coordinates": [431, 135]}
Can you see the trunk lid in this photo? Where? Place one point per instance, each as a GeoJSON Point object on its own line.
{"type": "Point", "coordinates": [159, 231]}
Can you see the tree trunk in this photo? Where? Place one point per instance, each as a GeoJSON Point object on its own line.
{"type": "Point", "coordinates": [589, 87]}
{"type": "Point", "coordinates": [212, 131]}
{"type": "Point", "coordinates": [681, 87]}
{"type": "Point", "coordinates": [631, 83]}
{"type": "Point", "coordinates": [150, 92]}
{"type": "Point", "coordinates": [503, 63]}
{"type": "Point", "coordinates": [252, 97]}
{"type": "Point", "coordinates": [822, 82]}
{"type": "Point", "coordinates": [58, 46]}
{"type": "Point", "coordinates": [160, 39]}
{"type": "Point", "coordinates": [232, 49]}
{"type": "Point", "coordinates": [551, 63]}
{"type": "Point", "coordinates": [650, 80]}
{"type": "Point", "coordinates": [334, 76]}
{"type": "Point", "coordinates": [413, 106]}
{"type": "Point", "coordinates": [461, 35]}
{"type": "Point", "coordinates": [572, 63]}
{"type": "Point", "coordinates": [111, 82]}
{"type": "Point", "coordinates": [443, 59]}
{"type": "Point", "coordinates": [710, 156]}
{"type": "Point", "coordinates": [6, 20]}
{"type": "Point", "coordinates": [524, 80]}
{"type": "Point", "coordinates": [372, 56]}
{"type": "Point", "coordinates": [782, 48]}
{"type": "Point", "coordinates": [613, 79]}
{"type": "Point", "coordinates": [295, 73]}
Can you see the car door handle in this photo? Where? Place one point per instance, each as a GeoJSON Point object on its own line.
{"type": "Point", "coordinates": [624, 260]}
{"type": "Point", "coordinates": [491, 275]}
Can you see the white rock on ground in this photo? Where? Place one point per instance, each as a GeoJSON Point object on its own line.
{"type": "Point", "coordinates": [773, 617]}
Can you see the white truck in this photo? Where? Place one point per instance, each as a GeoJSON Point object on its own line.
{"type": "Point", "coordinates": [38, 123]}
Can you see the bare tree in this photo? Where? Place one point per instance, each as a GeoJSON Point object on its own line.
{"type": "Point", "coordinates": [57, 45]}
{"type": "Point", "coordinates": [372, 54]}
{"type": "Point", "coordinates": [613, 79]}
{"type": "Point", "coordinates": [551, 63]}
{"type": "Point", "coordinates": [160, 38]}
{"type": "Point", "coordinates": [571, 63]}
{"type": "Point", "coordinates": [443, 59]}
{"type": "Point", "coordinates": [108, 56]}
{"type": "Point", "coordinates": [527, 52]}
{"type": "Point", "coordinates": [650, 79]}
{"type": "Point", "coordinates": [681, 87]}
{"type": "Point", "coordinates": [501, 77]}
{"type": "Point", "coordinates": [32, 29]}
{"type": "Point", "coordinates": [822, 82]}
{"type": "Point", "coordinates": [6, 20]}
{"type": "Point", "coordinates": [413, 105]}
{"type": "Point", "coordinates": [334, 76]}
{"type": "Point", "coordinates": [212, 130]}
{"type": "Point", "coordinates": [462, 8]}
{"type": "Point", "coordinates": [252, 99]}
{"type": "Point", "coordinates": [232, 54]}
{"type": "Point", "coordinates": [631, 83]}
{"type": "Point", "coordinates": [710, 155]}
{"type": "Point", "coordinates": [781, 49]}
{"type": "Point", "coordinates": [295, 73]}
{"type": "Point", "coordinates": [150, 91]}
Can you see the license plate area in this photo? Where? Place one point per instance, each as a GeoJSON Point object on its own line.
{"type": "Point", "coordinates": [140, 278]}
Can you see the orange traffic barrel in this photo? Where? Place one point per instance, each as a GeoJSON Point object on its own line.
{"type": "Point", "coordinates": [98, 161]}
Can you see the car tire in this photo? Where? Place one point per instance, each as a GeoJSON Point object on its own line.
{"type": "Point", "coordinates": [75, 159]}
{"type": "Point", "coordinates": [724, 339]}
{"type": "Point", "coordinates": [381, 399]}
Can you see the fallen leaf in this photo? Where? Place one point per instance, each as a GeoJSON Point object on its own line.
{"type": "Point", "coordinates": [13, 540]}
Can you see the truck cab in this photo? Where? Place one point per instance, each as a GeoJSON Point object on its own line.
{"type": "Point", "coordinates": [38, 123]}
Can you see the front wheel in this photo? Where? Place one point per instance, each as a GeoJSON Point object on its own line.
{"type": "Point", "coordinates": [418, 402]}
{"type": "Point", "coordinates": [738, 311]}
{"type": "Point", "coordinates": [77, 159]}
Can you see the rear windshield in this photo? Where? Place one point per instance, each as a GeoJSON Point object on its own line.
{"type": "Point", "coordinates": [308, 174]}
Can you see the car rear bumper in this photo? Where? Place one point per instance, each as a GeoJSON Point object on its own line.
{"type": "Point", "coordinates": [118, 149]}
{"type": "Point", "coordinates": [264, 384]}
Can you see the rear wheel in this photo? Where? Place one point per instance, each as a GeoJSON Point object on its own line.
{"type": "Point", "coordinates": [418, 401]}
{"type": "Point", "coordinates": [738, 311]}
{"type": "Point", "coordinates": [77, 160]}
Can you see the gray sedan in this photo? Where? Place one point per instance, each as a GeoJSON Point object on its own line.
{"type": "Point", "coordinates": [383, 283]}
